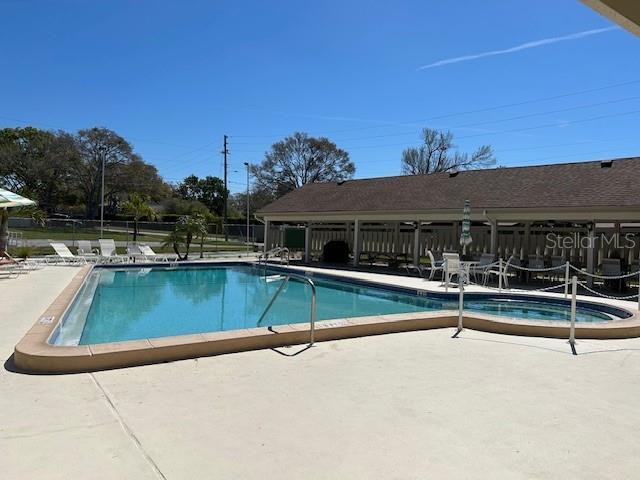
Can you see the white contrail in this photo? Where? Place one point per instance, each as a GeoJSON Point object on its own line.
{"type": "Point", "coordinates": [524, 46]}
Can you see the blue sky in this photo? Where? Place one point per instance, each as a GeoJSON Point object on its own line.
{"type": "Point", "coordinates": [173, 77]}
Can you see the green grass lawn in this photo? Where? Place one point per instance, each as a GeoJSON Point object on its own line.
{"type": "Point", "coordinates": [94, 234]}
{"type": "Point", "coordinates": [194, 251]}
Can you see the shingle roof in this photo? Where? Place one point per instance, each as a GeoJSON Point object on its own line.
{"type": "Point", "coordinates": [584, 184]}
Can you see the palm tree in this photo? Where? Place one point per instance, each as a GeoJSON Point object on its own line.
{"type": "Point", "coordinates": [192, 226]}
{"type": "Point", "coordinates": [174, 239]}
{"type": "Point", "coordinates": [138, 208]}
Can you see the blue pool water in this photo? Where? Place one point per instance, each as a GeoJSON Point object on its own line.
{"type": "Point", "coordinates": [136, 303]}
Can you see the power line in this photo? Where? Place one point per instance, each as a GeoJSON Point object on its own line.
{"type": "Point", "coordinates": [487, 122]}
{"type": "Point", "coordinates": [467, 112]}
{"type": "Point", "coordinates": [514, 130]}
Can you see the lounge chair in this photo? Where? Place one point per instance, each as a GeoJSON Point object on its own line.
{"type": "Point", "coordinates": [8, 270]}
{"type": "Point", "coordinates": [108, 251]}
{"type": "Point", "coordinates": [85, 251]}
{"type": "Point", "coordinates": [135, 253]}
{"type": "Point", "coordinates": [149, 254]}
{"type": "Point", "coordinates": [64, 255]}
{"type": "Point", "coordinates": [22, 265]}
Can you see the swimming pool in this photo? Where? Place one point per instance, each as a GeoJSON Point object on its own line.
{"type": "Point", "coordinates": [132, 303]}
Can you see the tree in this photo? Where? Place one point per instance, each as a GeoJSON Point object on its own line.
{"type": "Point", "coordinates": [38, 163]}
{"type": "Point", "coordinates": [98, 145]}
{"type": "Point", "coordinates": [438, 154]}
{"type": "Point", "coordinates": [136, 176]}
{"type": "Point", "coordinates": [258, 198]}
{"type": "Point", "coordinates": [185, 230]}
{"type": "Point", "coordinates": [138, 208]}
{"type": "Point", "coordinates": [209, 191]}
{"type": "Point", "coordinates": [300, 159]}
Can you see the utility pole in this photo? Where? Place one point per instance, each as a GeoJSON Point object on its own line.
{"type": "Point", "coordinates": [102, 197]}
{"type": "Point", "coordinates": [246, 164]}
{"type": "Point", "coordinates": [225, 152]}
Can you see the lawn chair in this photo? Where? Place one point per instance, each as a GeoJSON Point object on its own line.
{"type": "Point", "coordinates": [452, 266]}
{"type": "Point", "coordinates": [134, 252]}
{"type": "Point", "coordinates": [8, 270]}
{"type": "Point", "coordinates": [149, 254]}
{"type": "Point", "coordinates": [86, 252]}
{"type": "Point", "coordinates": [108, 251]}
{"type": "Point", "coordinates": [486, 259]}
{"type": "Point", "coordinates": [64, 255]}
{"type": "Point", "coordinates": [504, 272]}
{"type": "Point", "coordinates": [22, 265]}
{"type": "Point", "coordinates": [434, 265]}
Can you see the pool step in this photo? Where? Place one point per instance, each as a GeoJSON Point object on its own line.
{"type": "Point", "coordinates": [273, 278]}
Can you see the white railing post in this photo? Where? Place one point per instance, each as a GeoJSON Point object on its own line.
{"type": "Point", "coordinates": [572, 328]}
{"type": "Point", "coordinates": [638, 290]}
{"type": "Point", "coordinates": [566, 280]}
{"type": "Point", "coordinates": [446, 275]}
{"type": "Point", "coordinates": [500, 274]}
{"type": "Point", "coordinates": [460, 303]}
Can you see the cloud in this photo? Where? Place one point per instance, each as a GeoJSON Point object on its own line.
{"type": "Point", "coordinates": [524, 46]}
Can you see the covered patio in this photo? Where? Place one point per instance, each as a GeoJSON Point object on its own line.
{"type": "Point", "coordinates": [578, 212]}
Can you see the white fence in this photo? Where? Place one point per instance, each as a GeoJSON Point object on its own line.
{"type": "Point", "coordinates": [511, 240]}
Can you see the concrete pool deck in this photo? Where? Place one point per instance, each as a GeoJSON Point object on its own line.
{"type": "Point", "coordinates": [407, 405]}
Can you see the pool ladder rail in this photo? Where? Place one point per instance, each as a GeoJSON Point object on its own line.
{"type": "Point", "coordinates": [282, 252]}
{"type": "Point", "coordinates": [313, 310]}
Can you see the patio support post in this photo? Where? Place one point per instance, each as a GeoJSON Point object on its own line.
{"type": "Point", "coordinates": [396, 239]}
{"type": "Point", "coordinates": [416, 244]}
{"type": "Point", "coordinates": [356, 242]}
{"type": "Point", "coordinates": [307, 243]}
{"type": "Point", "coordinates": [494, 237]}
{"type": "Point", "coordinates": [591, 252]}
{"type": "Point", "coordinates": [527, 237]}
{"type": "Point", "coordinates": [266, 235]}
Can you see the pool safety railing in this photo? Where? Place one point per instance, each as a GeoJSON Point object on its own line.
{"type": "Point", "coordinates": [313, 309]}
{"type": "Point", "coordinates": [461, 282]}
{"type": "Point", "coordinates": [572, 327]}
{"type": "Point", "coordinates": [503, 267]}
{"type": "Point", "coordinates": [283, 252]}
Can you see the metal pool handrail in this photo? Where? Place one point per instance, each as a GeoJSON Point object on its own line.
{"type": "Point", "coordinates": [312, 313]}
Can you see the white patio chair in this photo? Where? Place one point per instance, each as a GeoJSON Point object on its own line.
{"type": "Point", "coordinates": [151, 255]}
{"type": "Point", "coordinates": [64, 255]}
{"type": "Point", "coordinates": [22, 265]}
{"type": "Point", "coordinates": [86, 251]}
{"type": "Point", "coordinates": [486, 259]}
{"type": "Point", "coordinates": [434, 265]}
{"type": "Point", "coordinates": [496, 271]}
{"type": "Point", "coordinates": [8, 270]}
{"type": "Point", "coordinates": [108, 251]}
{"type": "Point", "coordinates": [452, 266]}
{"type": "Point", "coordinates": [135, 253]}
